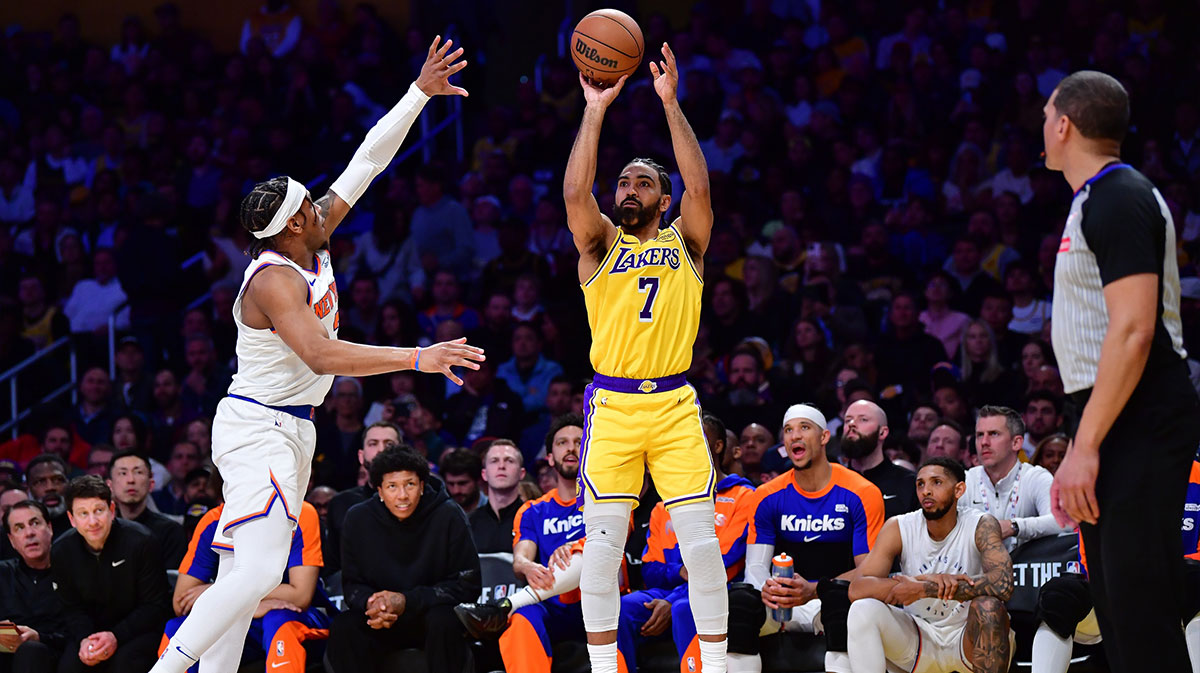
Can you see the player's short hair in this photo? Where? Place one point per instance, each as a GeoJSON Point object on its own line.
{"type": "Point", "coordinates": [1012, 420]}
{"type": "Point", "coordinates": [1047, 396]}
{"type": "Point", "coordinates": [258, 208]}
{"type": "Point", "coordinates": [664, 178]}
{"type": "Point", "coordinates": [560, 423]}
{"type": "Point", "coordinates": [87, 486]}
{"type": "Point", "coordinates": [499, 442]}
{"type": "Point", "coordinates": [398, 458]}
{"type": "Point", "coordinates": [1095, 103]}
{"type": "Point", "coordinates": [27, 504]}
{"type": "Point", "coordinates": [951, 466]}
{"type": "Point", "coordinates": [461, 461]}
{"type": "Point", "coordinates": [130, 453]}
{"type": "Point", "coordinates": [385, 424]}
{"type": "Point", "coordinates": [714, 423]}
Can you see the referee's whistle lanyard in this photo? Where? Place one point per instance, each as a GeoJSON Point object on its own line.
{"type": "Point", "coordinates": [1010, 510]}
{"type": "Point", "coordinates": [1103, 172]}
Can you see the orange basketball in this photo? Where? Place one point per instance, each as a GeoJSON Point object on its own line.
{"type": "Point", "coordinates": [607, 44]}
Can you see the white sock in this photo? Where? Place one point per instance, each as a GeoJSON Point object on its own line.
{"type": "Point", "coordinates": [524, 597]}
{"type": "Point", "coordinates": [743, 663]}
{"type": "Point", "coordinates": [1051, 652]}
{"type": "Point", "coordinates": [174, 658]}
{"type": "Point", "coordinates": [1192, 634]}
{"type": "Point", "coordinates": [604, 658]}
{"type": "Point", "coordinates": [712, 656]}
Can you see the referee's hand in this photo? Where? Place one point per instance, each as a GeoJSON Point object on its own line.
{"type": "Point", "coordinates": [1073, 493]}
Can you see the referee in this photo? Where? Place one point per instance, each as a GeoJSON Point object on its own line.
{"type": "Point", "coordinates": [1119, 343]}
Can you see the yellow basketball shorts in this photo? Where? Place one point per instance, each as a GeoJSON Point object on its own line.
{"type": "Point", "coordinates": [630, 425]}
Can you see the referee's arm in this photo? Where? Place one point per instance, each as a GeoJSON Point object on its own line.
{"type": "Point", "coordinates": [1132, 303]}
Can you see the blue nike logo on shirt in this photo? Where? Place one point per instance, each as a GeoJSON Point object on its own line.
{"type": "Point", "coordinates": [312, 282]}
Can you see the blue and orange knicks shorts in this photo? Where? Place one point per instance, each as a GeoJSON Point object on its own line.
{"type": "Point", "coordinates": [632, 424]}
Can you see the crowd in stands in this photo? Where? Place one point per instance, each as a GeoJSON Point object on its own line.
{"type": "Point", "coordinates": [884, 232]}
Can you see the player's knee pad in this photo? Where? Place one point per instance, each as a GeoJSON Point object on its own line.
{"type": "Point", "coordinates": [835, 606]}
{"type": "Point", "coordinates": [1063, 602]}
{"type": "Point", "coordinates": [864, 615]}
{"type": "Point", "coordinates": [606, 525]}
{"type": "Point", "coordinates": [747, 614]}
{"type": "Point", "coordinates": [701, 554]}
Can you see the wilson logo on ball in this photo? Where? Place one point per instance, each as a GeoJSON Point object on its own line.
{"type": "Point", "coordinates": [592, 55]}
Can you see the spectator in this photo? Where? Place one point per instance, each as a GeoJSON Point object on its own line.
{"type": "Point", "coordinates": [94, 415]}
{"type": "Point", "coordinates": [16, 192]}
{"type": "Point", "coordinates": [1047, 378]}
{"type": "Point", "coordinates": [921, 422]}
{"type": "Point", "coordinates": [965, 265]}
{"type": "Point", "coordinates": [287, 616]}
{"type": "Point", "coordinates": [446, 305]}
{"type": "Point", "coordinates": [47, 479]}
{"type": "Point", "coordinates": [130, 434]}
{"type": "Point", "coordinates": [94, 300]}
{"type": "Point", "coordinates": [863, 434]}
{"type": "Point", "coordinates": [484, 407]}
{"type": "Point", "coordinates": [199, 432]}
{"type": "Point", "coordinates": [276, 25]}
{"type": "Point", "coordinates": [407, 559]}
{"type": "Point", "coordinates": [905, 352]}
{"type": "Point", "coordinates": [441, 227]}
{"type": "Point", "coordinates": [492, 524]}
{"type": "Point", "coordinates": [131, 483]}
{"type": "Point", "coordinates": [1030, 314]}
{"type": "Point", "coordinates": [1051, 451]}
{"type": "Point", "coordinates": [461, 471]}
{"type": "Point", "coordinates": [984, 377]}
{"type": "Point", "coordinates": [1034, 355]}
{"type": "Point", "coordinates": [339, 440]}
{"type": "Point", "coordinates": [1016, 493]}
{"type": "Point", "coordinates": [527, 299]}
{"type": "Point", "coordinates": [42, 322]}
{"type": "Point", "coordinates": [939, 321]}
{"type": "Point", "coordinates": [946, 441]}
{"type": "Point", "coordinates": [753, 444]}
{"type": "Point", "coordinates": [98, 459]}
{"type": "Point", "coordinates": [515, 260]}
{"type": "Point", "coordinates": [171, 499]}
{"type": "Point", "coordinates": [1043, 416]}
{"type": "Point", "coordinates": [168, 416]}
{"type": "Point", "coordinates": [749, 397]}
{"type": "Point", "coordinates": [133, 383]}
{"type": "Point", "coordinates": [377, 437]}
{"type": "Point", "coordinates": [494, 334]}
{"type": "Point", "coordinates": [113, 585]}
{"type": "Point", "coordinates": [207, 380]}
{"type": "Point", "coordinates": [997, 312]}
{"type": "Point", "coordinates": [528, 373]}
{"type": "Point", "coordinates": [362, 313]}
{"type": "Point", "coordinates": [27, 598]}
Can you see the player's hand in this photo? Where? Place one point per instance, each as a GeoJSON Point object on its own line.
{"type": "Point", "coordinates": [268, 604]}
{"type": "Point", "coordinates": [666, 75]}
{"type": "Point", "coordinates": [539, 577]}
{"type": "Point", "coordinates": [440, 357]}
{"type": "Point", "coordinates": [561, 557]}
{"type": "Point", "coordinates": [660, 617]}
{"type": "Point", "coordinates": [434, 79]}
{"type": "Point", "coordinates": [596, 94]}
{"type": "Point", "coordinates": [906, 590]}
{"type": "Point", "coordinates": [946, 585]}
{"type": "Point", "coordinates": [1073, 493]}
{"type": "Point", "coordinates": [788, 592]}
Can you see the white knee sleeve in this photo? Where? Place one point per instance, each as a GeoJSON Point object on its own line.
{"type": "Point", "coordinates": [701, 554]}
{"type": "Point", "coordinates": [1191, 632]}
{"type": "Point", "coordinates": [607, 524]}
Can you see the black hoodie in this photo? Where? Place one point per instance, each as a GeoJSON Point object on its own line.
{"type": "Point", "coordinates": [429, 557]}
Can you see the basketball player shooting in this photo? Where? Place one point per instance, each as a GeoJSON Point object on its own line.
{"type": "Point", "coordinates": [642, 287]}
{"type": "Point", "coordinates": [288, 351]}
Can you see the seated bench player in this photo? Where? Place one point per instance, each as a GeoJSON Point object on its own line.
{"type": "Point", "coordinates": [287, 617]}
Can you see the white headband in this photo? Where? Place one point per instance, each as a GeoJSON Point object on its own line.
{"type": "Point", "coordinates": [290, 206]}
{"type": "Point", "coordinates": [806, 412]}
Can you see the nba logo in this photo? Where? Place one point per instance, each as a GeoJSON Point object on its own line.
{"type": "Point", "coordinates": [279, 648]}
{"type": "Point", "coordinates": [691, 664]}
{"type": "Point", "coordinates": [1073, 567]}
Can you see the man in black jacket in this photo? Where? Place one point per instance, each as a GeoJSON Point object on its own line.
{"type": "Point", "coordinates": [377, 437]}
{"type": "Point", "coordinates": [27, 597]}
{"type": "Point", "coordinates": [110, 576]}
{"type": "Point", "coordinates": [131, 483]}
{"type": "Point", "coordinates": [407, 560]}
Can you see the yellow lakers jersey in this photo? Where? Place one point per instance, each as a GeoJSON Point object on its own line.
{"type": "Point", "coordinates": [643, 306]}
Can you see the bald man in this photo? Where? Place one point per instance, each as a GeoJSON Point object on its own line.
{"type": "Point", "coordinates": [864, 427]}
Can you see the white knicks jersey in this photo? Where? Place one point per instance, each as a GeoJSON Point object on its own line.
{"type": "Point", "coordinates": [957, 554]}
{"type": "Point", "coordinates": [268, 371]}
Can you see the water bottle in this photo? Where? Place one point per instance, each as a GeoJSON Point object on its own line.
{"type": "Point", "coordinates": [781, 566]}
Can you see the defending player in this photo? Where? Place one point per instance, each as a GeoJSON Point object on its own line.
{"type": "Point", "coordinates": [826, 517]}
{"type": "Point", "coordinates": [663, 569]}
{"type": "Point", "coordinates": [642, 287]}
{"type": "Point", "coordinates": [287, 349]}
{"type": "Point", "coordinates": [288, 616]}
{"type": "Point", "coordinates": [945, 612]}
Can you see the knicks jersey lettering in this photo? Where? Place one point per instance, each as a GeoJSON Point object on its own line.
{"type": "Point", "coordinates": [328, 303]}
{"type": "Point", "coordinates": [643, 306]}
{"type": "Point", "coordinates": [550, 523]}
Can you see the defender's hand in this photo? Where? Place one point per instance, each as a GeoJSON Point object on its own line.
{"type": "Point", "coordinates": [434, 79]}
{"type": "Point", "coordinates": [440, 357]}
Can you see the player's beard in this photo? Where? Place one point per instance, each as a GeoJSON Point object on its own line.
{"type": "Point", "coordinates": [631, 220]}
{"type": "Point", "coordinates": [860, 446]}
{"type": "Point", "coordinates": [565, 472]}
{"type": "Point", "coordinates": [937, 514]}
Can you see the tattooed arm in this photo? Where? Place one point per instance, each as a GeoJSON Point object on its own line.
{"type": "Point", "coordinates": [997, 578]}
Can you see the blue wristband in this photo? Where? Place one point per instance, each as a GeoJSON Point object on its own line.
{"type": "Point", "coordinates": [417, 360]}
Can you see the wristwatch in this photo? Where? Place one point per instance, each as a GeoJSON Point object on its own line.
{"type": "Point", "coordinates": [1016, 528]}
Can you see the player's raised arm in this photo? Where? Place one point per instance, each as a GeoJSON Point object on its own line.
{"type": "Point", "coordinates": [279, 294]}
{"type": "Point", "coordinates": [695, 207]}
{"type": "Point", "coordinates": [589, 227]}
{"type": "Point", "coordinates": [384, 139]}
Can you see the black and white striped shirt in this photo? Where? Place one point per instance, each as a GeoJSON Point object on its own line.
{"type": "Point", "coordinates": [1118, 226]}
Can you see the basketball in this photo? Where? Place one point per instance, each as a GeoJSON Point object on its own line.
{"type": "Point", "coordinates": [607, 44]}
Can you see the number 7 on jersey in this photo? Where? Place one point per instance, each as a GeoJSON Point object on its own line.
{"type": "Point", "coordinates": [649, 285]}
